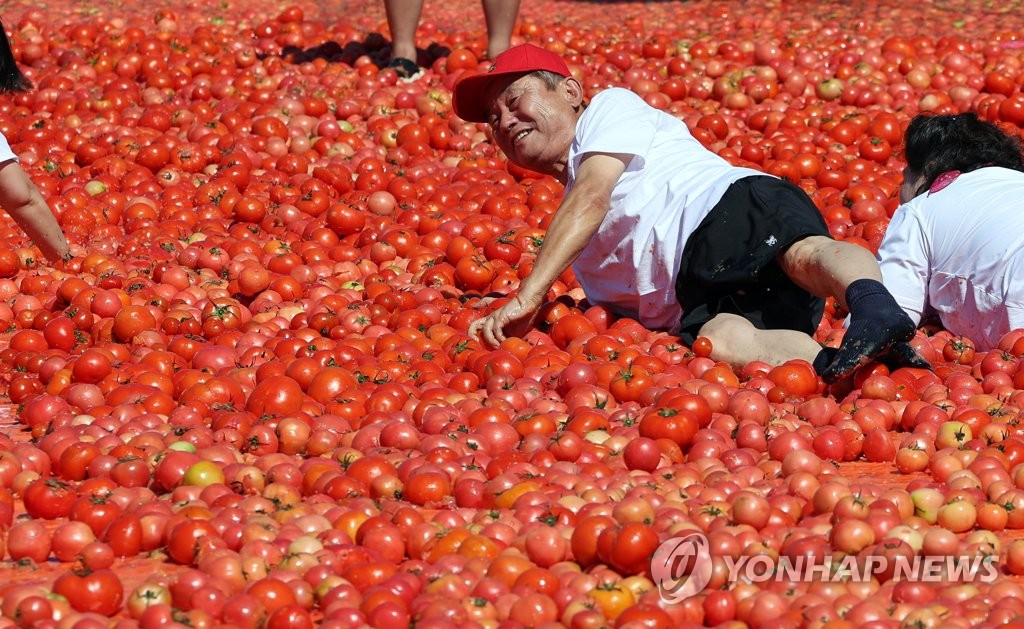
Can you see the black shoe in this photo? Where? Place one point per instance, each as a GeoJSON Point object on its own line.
{"type": "Point", "coordinates": [406, 68]}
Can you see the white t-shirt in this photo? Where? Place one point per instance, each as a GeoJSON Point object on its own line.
{"type": "Point", "coordinates": [959, 253]}
{"type": "Point", "coordinates": [668, 188]}
{"type": "Point", "coordinates": [6, 154]}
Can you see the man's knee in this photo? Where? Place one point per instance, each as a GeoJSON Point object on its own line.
{"type": "Point", "coordinates": [726, 329]}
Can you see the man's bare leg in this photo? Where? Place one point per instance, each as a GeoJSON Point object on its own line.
{"type": "Point", "coordinates": [736, 341]}
{"type": "Point", "coordinates": [825, 267]}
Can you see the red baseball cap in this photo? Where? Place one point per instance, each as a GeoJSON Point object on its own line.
{"type": "Point", "coordinates": [468, 96]}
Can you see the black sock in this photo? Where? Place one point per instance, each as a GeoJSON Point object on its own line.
{"type": "Point", "coordinates": [824, 359]}
{"type": "Point", "coordinates": [870, 299]}
{"type": "Point", "coordinates": [877, 323]}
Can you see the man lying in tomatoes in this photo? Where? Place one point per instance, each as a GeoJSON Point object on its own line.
{"type": "Point", "coordinates": [955, 248]}
{"type": "Point", "coordinates": [661, 229]}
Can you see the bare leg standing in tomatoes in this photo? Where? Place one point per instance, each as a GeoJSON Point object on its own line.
{"type": "Point", "coordinates": [501, 20]}
{"type": "Point", "coordinates": [404, 18]}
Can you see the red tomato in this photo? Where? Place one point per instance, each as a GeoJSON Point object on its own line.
{"type": "Point", "coordinates": [503, 247]}
{"type": "Point", "coordinates": [629, 547]}
{"type": "Point", "coordinates": [98, 591]}
{"type": "Point", "coordinates": [642, 454]}
{"type": "Point", "coordinates": [275, 396]}
{"type": "Point", "coordinates": [630, 383]}
{"type": "Point", "coordinates": [130, 321]}
{"type": "Point", "coordinates": [675, 424]}
{"type": "Point", "coordinates": [95, 511]}
{"type": "Point", "coordinates": [569, 327]}
{"type": "Point", "coordinates": [124, 535]}
{"type": "Point", "coordinates": [796, 378]}
{"type": "Point", "coordinates": [959, 350]}
{"type": "Point", "coordinates": [48, 499]}
{"type": "Point", "coordinates": [474, 273]}
{"type": "Point", "coordinates": [62, 333]}
{"type": "Point", "coordinates": [187, 540]}
{"type": "Point", "coordinates": [1011, 110]}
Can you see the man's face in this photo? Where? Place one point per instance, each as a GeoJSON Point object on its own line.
{"type": "Point", "coordinates": [533, 123]}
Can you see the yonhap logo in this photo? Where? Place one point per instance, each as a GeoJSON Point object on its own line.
{"type": "Point", "coordinates": [681, 567]}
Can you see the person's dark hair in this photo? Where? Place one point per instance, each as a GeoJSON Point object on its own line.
{"type": "Point", "coordinates": [11, 77]}
{"type": "Point", "coordinates": [938, 144]}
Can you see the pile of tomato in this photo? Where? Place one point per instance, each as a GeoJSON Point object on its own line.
{"type": "Point", "coordinates": [250, 399]}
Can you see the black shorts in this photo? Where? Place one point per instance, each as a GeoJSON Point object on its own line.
{"type": "Point", "coordinates": [729, 262]}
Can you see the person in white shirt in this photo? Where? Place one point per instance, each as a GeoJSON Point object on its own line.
{"type": "Point", "coordinates": [661, 229]}
{"type": "Point", "coordinates": [954, 249]}
{"type": "Point", "coordinates": [19, 197]}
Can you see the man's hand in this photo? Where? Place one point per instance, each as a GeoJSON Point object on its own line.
{"type": "Point", "coordinates": [574, 224]}
{"type": "Point", "coordinates": [517, 317]}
